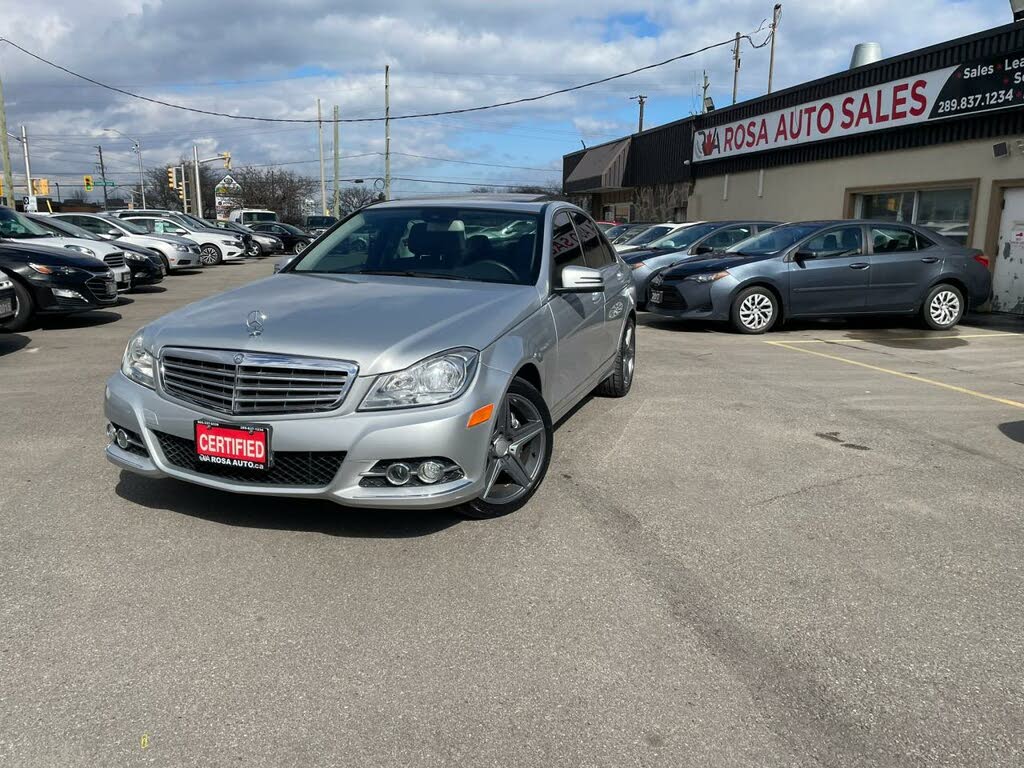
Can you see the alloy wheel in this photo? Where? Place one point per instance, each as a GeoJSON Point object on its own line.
{"type": "Point", "coordinates": [756, 311]}
{"type": "Point", "coordinates": [209, 255]}
{"type": "Point", "coordinates": [945, 308]}
{"type": "Point", "coordinates": [518, 450]}
{"type": "Point", "coordinates": [629, 355]}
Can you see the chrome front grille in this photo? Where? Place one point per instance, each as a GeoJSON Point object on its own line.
{"type": "Point", "coordinates": [115, 259]}
{"type": "Point", "coordinates": [254, 383]}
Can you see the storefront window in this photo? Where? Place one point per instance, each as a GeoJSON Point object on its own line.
{"type": "Point", "coordinates": [947, 211]}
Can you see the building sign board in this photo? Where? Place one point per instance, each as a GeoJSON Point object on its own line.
{"type": "Point", "coordinates": [966, 89]}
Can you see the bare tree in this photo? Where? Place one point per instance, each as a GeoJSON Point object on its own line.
{"type": "Point", "coordinates": [353, 198]}
{"type": "Point", "coordinates": [277, 190]}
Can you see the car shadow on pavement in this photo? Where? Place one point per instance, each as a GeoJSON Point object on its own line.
{"type": "Point", "coordinates": [83, 320]}
{"type": "Point", "coordinates": [148, 289]}
{"type": "Point", "coordinates": [1013, 430]}
{"type": "Point", "coordinates": [281, 514]}
{"type": "Point", "coordinates": [12, 342]}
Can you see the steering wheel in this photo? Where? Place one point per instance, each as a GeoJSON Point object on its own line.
{"type": "Point", "coordinates": [504, 267]}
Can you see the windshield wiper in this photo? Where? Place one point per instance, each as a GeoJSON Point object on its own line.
{"type": "Point", "coordinates": [402, 273]}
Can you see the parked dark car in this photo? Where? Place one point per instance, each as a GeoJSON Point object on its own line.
{"type": "Point", "coordinates": [686, 243]}
{"type": "Point", "coordinates": [825, 269]}
{"type": "Point", "coordinates": [294, 239]}
{"type": "Point", "coordinates": [317, 225]}
{"type": "Point", "coordinates": [147, 267]}
{"type": "Point", "coordinates": [54, 281]}
{"type": "Point", "coordinates": [623, 232]}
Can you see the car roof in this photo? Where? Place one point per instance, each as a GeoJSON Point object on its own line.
{"type": "Point", "coordinates": [519, 203]}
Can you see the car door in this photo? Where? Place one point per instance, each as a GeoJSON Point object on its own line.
{"type": "Point", "coordinates": [903, 265]}
{"type": "Point", "coordinates": [830, 273]}
{"type": "Point", "coordinates": [600, 255]}
{"type": "Point", "coordinates": [578, 317]}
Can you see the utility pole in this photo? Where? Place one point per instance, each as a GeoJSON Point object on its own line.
{"type": "Point", "coordinates": [6, 150]}
{"type": "Point", "coordinates": [103, 173]}
{"type": "Point", "coordinates": [197, 198]}
{"type": "Point", "coordinates": [776, 16]}
{"type": "Point", "coordinates": [320, 140]}
{"type": "Point", "coordinates": [736, 68]}
{"type": "Point", "coordinates": [28, 169]}
{"type": "Point", "coordinates": [704, 93]}
{"type": "Point", "coordinates": [387, 132]}
{"type": "Point", "coordinates": [642, 99]}
{"type": "Point", "coordinates": [337, 192]}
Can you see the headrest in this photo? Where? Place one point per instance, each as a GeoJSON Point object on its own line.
{"type": "Point", "coordinates": [424, 241]}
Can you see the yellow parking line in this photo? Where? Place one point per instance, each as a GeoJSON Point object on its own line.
{"type": "Point", "coordinates": [899, 338]}
{"type": "Point", "coordinates": [900, 374]}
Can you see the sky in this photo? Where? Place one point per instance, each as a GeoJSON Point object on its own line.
{"type": "Point", "coordinates": [276, 58]}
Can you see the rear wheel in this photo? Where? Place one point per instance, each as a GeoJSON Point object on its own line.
{"type": "Point", "coordinates": [619, 383]}
{"type": "Point", "coordinates": [518, 453]}
{"type": "Point", "coordinates": [210, 254]}
{"type": "Point", "coordinates": [754, 310]}
{"type": "Point", "coordinates": [25, 311]}
{"type": "Point", "coordinates": [254, 249]}
{"type": "Point", "coordinates": [301, 246]}
{"type": "Point", "coordinates": [943, 307]}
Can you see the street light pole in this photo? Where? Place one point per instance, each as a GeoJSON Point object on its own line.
{"type": "Point", "coordinates": [137, 149]}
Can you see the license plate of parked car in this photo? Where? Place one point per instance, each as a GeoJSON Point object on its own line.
{"type": "Point", "coordinates": [6, 307]}
{"type": "Point", "coordinates": [242, 447]}
{"type": "Point", "coordinates": [656, 297]}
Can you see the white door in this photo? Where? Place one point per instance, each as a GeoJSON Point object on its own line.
{"type": "Point", "coordinates": [1008, 274]}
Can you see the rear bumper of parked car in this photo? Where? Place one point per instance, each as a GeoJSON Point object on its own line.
{"type": "Point", "coordinates": [162, 431]}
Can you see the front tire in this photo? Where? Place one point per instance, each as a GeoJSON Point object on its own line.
{"type": "Point", "coordinates": [943, 307]}
{"type": "Point", "coordinates": [300, 246]}
{"type": "Point", "coordinates": [26, 310]}
{"type": "Point", "coordinates": [254, 250]}
{"type": "Point", "coordinates": [518, 453]}
{"type": "Point", "coordinates": [210, 255]}
{"type": "Point", "coordinates": [619, 383]}
{"type": "Point", "coordinates": [754, 310]}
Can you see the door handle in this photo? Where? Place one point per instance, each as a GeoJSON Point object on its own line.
{"type": "Point", "coordinates": [930, 260]}
{"type": "Point", "coordinates": [596, 297]}
{"type": "Point", "coordinates": [859, 265]}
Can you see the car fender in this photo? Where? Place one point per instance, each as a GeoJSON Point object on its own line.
{"type": "Point", "coordinates": [947, 275]}
{"type": "Point", "coordinates": [780, 287]}
{"type": "Point", "coordinates": [532, 342]}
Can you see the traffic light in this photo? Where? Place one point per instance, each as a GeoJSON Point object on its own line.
{"type": "Point", "coordinates": [172, 178]}
{"type": "Point", "coordinates": [87, 183]}
{"type": "Point", "coordinates": [227, 160]}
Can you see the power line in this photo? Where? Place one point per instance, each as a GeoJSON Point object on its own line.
{"type": "Point", "coordinates": [486, 165]}
{"type": "Point", "coordinates": [464, 110]}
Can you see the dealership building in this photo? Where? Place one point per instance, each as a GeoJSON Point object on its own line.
{"type": "Point", "coordinates": [933, 137]}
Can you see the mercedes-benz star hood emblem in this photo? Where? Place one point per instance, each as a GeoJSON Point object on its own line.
{"type": "Point", "coordinates": [254, 322]}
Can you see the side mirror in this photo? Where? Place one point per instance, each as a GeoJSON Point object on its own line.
{"type": "Point", "coordinates": [801, 256]}
{"type": "Point", "coordinates": [703, 249]}
{"type": "Point", "coordinates": [581, 280]}
{"type": "Point", "coordinates": [114, 233]}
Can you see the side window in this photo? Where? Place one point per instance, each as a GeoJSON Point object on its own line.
{"type": "Point", "coordinates": [565, 246]}
{"type": "Point", "coordinates": [893, 240]}
{"type": "Point", "coordinates": [147, 223]}
{"type": "Point", "coordinates": [91, 224]}
{"type": "Point", "coordinates": [723, 238]}
{"type": "Point", "coordinates": [593, 249]}
{"type": "Point", "coordinates": [843, 241]}
{"type": "Point", "coordinates": [923, 242]}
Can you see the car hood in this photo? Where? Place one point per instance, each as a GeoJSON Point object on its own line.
{"type": "Point", "coordinates": [99, 247]}
{"type": "Point", "coordinates": [173, 239]}
{"type": "Point", "coordinates": [632, 257]}
{"type": "Point", "coordinates": [381, 323]}
{"type": "Point", "coordinates": [41, 252]}
{"type": "Point", "coordinates": [712, 262]}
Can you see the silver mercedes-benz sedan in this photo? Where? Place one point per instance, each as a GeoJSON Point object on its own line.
{"type": "Point", "coordinates": [397, 362]}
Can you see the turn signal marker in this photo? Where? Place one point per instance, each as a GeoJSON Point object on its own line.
{"type": "Point", "coordinates": [480, 416]}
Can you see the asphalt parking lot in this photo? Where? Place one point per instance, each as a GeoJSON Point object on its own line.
{"type": "Point", "coordinates": [798, 549]}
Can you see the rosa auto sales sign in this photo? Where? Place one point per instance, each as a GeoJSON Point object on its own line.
{"type": "Point", "coordinates": [967, 89]}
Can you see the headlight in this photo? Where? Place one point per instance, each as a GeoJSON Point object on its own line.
{"type": "Point", "coordinates": [708, 277]}
{"type": "Point", "coordinates": [180, 247]}
{"type": "Point", "coordinates": [637, 265]}
{"type": "Point", "coordinates": [132, 256]}
{"type": "Point", "coordinates": [46, 269]}
{"type": "Point", "coordinates": [438, 379]}
{"type": "Point", "coordinates": [81, 249]}
{"type": "Point", "coordinates": [137, 363]}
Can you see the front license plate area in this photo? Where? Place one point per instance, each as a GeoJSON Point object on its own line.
{"type": "Point", "coordinates": [6, 307]}
{"type": "Point", "coordinates": [656, 297]}
{"type": "Point", "coordinates": [245, 447]}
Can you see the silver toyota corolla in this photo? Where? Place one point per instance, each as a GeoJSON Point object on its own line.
{"type": "Point", "coordinates": [407, 359]}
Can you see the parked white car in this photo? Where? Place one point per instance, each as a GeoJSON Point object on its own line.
{"type": "Point", "coordinates": [176, 252]}
{"type": "Point", "coordinates": [652, 233]}
{"type": "Point", "coordinates": [215, 245]}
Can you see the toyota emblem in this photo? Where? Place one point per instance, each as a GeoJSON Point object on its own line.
{"type": "Point", "coordinates": [254, 322]}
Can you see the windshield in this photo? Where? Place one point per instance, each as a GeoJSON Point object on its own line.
{"type": "Point", "coordinates": [192, 220]}
{"type": "Point", "coordinates": [774, 240]}
{"type": "Point", "coordinates": [128, 226]}
{"type": "Point", "coordinates": [16, 226]}
{"type": "Point", "coordinates": [248, 216]}
{"type": "Point", "coordinates": [684, 238]}
{"type": "Point", "coordinates": [618, 229]}
{"type": "Point", "coordinates": [649, 235]}
{"type": "Point", "coordinates": [444, 243]}
{"type": "Point", "coordinates": [320, 221]}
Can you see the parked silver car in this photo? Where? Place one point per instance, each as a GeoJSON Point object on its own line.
{"type": "Point", "coordinates": [176, 252]}
{"type": "Point", "coordinates": [397, 362]}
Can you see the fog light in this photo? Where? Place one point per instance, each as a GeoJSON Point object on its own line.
{"type": "Point", "coordinates": [430, 472]}
{"type": "Point", "coordinates": [111, 433]}
{"type": "Point", "coordinates": [398, 474]}
{"type": "Point", "coordinates": [67, 293]}
{"type": "Point", "coordinates": [122, 439]}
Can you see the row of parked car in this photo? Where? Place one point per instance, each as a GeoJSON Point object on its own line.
{"type": "Point", "coordinates": [61, 263]}
{"type": "Point", "coordinates": [755, 273]}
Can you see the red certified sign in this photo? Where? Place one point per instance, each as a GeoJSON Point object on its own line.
{"type": "Point", "coordinates": [245, 447]}
{"type": "Point", "coordinates": [945, 93]}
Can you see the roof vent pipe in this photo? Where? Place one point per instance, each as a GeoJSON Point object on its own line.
{"type": "Point", "coordinates": [1017, 6]}
{"type": "Point", "coordinates": [866, 53]}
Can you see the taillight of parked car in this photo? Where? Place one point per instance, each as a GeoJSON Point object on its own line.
{"type": "Point", "coordinates": [982, 259]}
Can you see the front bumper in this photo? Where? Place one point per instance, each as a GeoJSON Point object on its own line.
{"type": "Point", "coordinates": [232, 252]}
{"type": "Point", "coordinates": [67, 294]}
{"type": "Point", "coordinates": [364, 437]}
{"type": "Point", "coordinates": [183, 259]}
{"type": "Point", "coordinates": [123, 278]}
{"type": "Point", "coordinates": [8, 294]}
{"type": "Point", "coordinates": [690, 300]}
{"type": "Point", "coordinates": [146, 272]}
